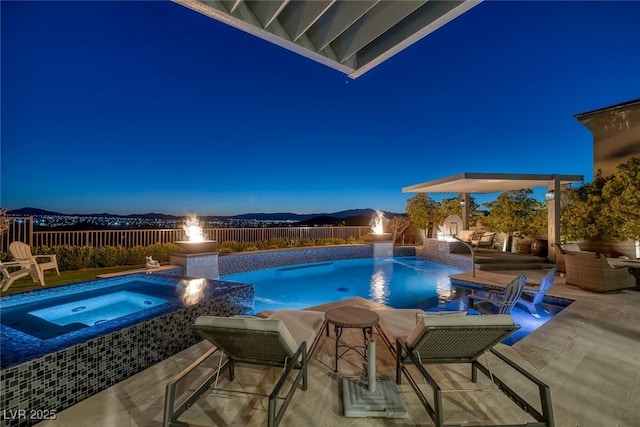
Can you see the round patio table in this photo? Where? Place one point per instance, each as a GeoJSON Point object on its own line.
{"type": "Point", "coordinates": [351, 317]}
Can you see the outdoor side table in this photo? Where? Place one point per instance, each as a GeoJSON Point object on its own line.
{"type": "Point", "coordinates": [351, 317]}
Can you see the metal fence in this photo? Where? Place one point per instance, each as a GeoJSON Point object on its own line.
{"type": "Point", "coordinates": [21, 228]}
{"type": "Point", "coordinates": [15, 228]}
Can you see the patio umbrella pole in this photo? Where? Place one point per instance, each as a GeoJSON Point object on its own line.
{"type": "Point", "coordinates": [370, 396]}
{"type": "Point", "coordinates": [371, 366]}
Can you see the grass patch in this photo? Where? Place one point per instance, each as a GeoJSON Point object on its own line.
{"type": "Point", "coordinates": [25, 284]}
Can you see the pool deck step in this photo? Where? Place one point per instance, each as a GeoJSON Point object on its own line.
{"type": "Point", "coordinates": [139, 270]}
{"type": "Point", "coordinates": [527, 265]}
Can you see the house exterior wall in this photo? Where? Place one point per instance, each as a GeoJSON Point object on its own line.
{"type": "Point", "coordinates": [616, 135]}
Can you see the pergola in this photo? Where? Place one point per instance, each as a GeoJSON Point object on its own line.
{"type": "Point", "coordinates": [351, 36]}
{"type": "Point", "coordinates": [469, 183]}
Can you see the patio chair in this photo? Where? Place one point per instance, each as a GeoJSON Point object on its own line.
{"type": "Point", "coordinates": [499, 301]}
{"type": "Point", "coordinates": [455, 338]}
{"type": "Point", "coordinates": [592, 271]}
{"type": "Point", "coordinates": [485, 241]}
{"type": "Point", "coordinates": [13, 270]}
{"type": "Point", "coordinates": [532, 297]}
{"type": "Point", "coordinates": [285, 339]}
{"type": "Point", "coordinates": [560, 251]}
{"type": "Point", "coordinates": [21, 252]}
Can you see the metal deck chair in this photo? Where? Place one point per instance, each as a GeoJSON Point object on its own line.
{"type": "Point", "coordinates": [285, 339]}
{"type": "Point", "coordinates": [447, 339]}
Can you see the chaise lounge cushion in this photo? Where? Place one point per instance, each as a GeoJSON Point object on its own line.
{"type": "Point", "coordinates": [293, 326]}
{"type": "Point", "coordinates": [428, 322]}
{"type": "Point", "coordinates": [466, 235]}
{"type": "Point", "coordinates": [303, 325]}
{"type": "Point", "coordinates": [570, 247]}
{"type": "Point", "coordinates": [400, 322]}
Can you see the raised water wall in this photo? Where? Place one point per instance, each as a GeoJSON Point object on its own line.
{"type": "Point", "coordinates": [247, 261]}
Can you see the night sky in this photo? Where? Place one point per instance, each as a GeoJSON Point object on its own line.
{"type": "Point", "coordinates": [135, 107]}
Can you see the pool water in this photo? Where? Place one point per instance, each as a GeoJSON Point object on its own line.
{"type": "Point", "coordinates": [405, 282]}
{"type": "Point", "coordinates": [58, 311]}
{"type": "Point", "coordinates": [96, 310]}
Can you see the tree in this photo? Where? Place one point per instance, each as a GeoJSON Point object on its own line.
{"type": "Point", "coordinates": [515, 213]}
{"type": "Point", "coordinates": [621, 197]}
{"type": "Point", "coordinates": [397, 226]}
{"type": "Point", "coordinates": [422, 211]}
{"type": "Point", "coordinates": [475, 214]}
{"type": "Point", "coordinates": [447, 207]}
{"type": "Point", "coordinates": [581, 215]}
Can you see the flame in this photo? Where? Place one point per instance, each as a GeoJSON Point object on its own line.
{"type": "Point", "coordinates": [377, 225]}
{"type": "Point", "coordinates": [193, 230]}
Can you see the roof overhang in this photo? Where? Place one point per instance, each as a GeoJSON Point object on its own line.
{"type": "Point", "coordinates": [351, 36]}
{"type": "Point", "coordinates": [469, 182]}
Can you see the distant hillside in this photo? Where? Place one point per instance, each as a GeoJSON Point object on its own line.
{"type": "Point", "coordinates": [346, 217]}
{"type": "Point", "coordinates": [33, 212]}
{"type": "Point", "coordinates": [357, 220]}
{"type": "Point", "coordinates": [279, 216]}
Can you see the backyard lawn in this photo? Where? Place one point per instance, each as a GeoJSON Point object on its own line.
{"type": "Point", "coordinates": [25, 284]}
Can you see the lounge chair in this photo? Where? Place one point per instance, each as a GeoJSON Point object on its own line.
{"type": "Point", "coordinates": [468, 235]}
{"type": "Point", "coordinates": [499, 302]}
{"type": "Point", "coordinates": [21, 252]}
{"type": "Point", "coordinates": [592, 271]}
{"type": "Point", "coordinates": [531, 297]}
{"type": "Point", "coordinates": [455, 338]}
{"type": "Point", "coordinates": [13, 270]}
{"type": "Point", "coordinates": [286, 339]}
{"type": "Point", "coordinates": [485, 241]}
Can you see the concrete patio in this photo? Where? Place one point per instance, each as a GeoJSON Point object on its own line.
{"type": "Point", "coordinates": [588, 354]}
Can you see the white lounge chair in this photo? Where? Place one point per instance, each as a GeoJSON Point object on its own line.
{"type": "Point", "coordinates": [532, 297]}
{"type": "Point", "coordinates": [499, 302]}
{"type": "Point", "coordinates": [285, 339]}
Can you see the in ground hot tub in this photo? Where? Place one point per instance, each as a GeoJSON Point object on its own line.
{"type": "Point", "coordinates": [61, 345]}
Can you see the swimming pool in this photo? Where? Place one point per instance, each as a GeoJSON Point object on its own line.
{"type": "Point", "coordinates": [404, 282]}
{"type": "Point", "coordinates": [400, 282]}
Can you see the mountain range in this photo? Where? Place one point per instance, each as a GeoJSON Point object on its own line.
{"type": "Point", "coordinates": [346, 217]}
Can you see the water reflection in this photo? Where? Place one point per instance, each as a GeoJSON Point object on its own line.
{"type": "Point", "coordinates": [443, 286]}
{"type": "Point", "coordinates": [379, 289]}
{"type": "Point", "coordinates": [191, 290]}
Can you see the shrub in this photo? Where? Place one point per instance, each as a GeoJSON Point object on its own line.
{"type": "Point", "coordinates": [81, 257]}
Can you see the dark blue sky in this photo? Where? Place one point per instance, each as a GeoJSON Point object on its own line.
{"type": "Point", "coordinates": [133, 107]}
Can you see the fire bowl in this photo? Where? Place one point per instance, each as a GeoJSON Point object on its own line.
{"type": "Point", "coordinates": [379, 237]}
{"type": "Point", "coordinates": [197, 247]}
